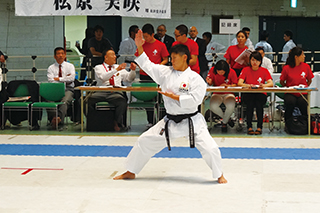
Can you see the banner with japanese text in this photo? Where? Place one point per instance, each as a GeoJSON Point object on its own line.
{"type": "Point", "coordinates": [131, 8]}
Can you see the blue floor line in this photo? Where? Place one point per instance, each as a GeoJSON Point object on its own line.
{"type": "Point", "coordinates": [177, 152]}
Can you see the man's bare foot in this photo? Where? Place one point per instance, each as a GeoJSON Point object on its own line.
{"type": "Point", "coordinates": [221, 179]}
{"type": "Point", "coordinates": [116, 127]}
{"type": "Point", "coordinates": [126, 175]}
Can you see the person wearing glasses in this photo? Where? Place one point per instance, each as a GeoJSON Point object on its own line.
{"type": "Point", "coordinates": [163, 37]}
{"type": "Point", "coordinates": [181, 33]}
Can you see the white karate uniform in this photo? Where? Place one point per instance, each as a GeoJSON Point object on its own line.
{"type": "Point", "coordinates": [191, 88]}
{"type": "Point", "coordinates": [286, 48]}
{"type": "Point", "coordinates": [214, 47]}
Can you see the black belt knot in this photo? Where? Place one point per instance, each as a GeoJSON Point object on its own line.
{"type": "Point", "coordinates": [178, 119]}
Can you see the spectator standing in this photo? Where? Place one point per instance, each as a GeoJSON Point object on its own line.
{"type": "Point", "coordinates": [163, 37]}
{"type": "Point", "coordinates": [180, 33]}
{"type": "Point", "coordinates": [97, 45]}
{"type": "Point", "coordinates": [264, 36]}
{"type": "Point", "coordinates": [234, 51]}
{"type": "Point", "coordinates": [288, 35]}
{"type": "Point", "coordinates": [203, 63]}
{"type": "Point", "coordinates": [248, 43]}
{"type": "Point", "coordinates": [128, 47]}
{"type": "Point", "coordinates": [212, 49]}
{"type": "Point", "coordinates": [157, 53]}
{"type": "Point", "coordinates": [84, 50]}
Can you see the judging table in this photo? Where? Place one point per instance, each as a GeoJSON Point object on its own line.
{"type": "Point", "coordinates": [84, 89]}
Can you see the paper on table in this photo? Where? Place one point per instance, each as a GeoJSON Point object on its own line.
{"type": "Point", "coordinates": [13, 99]}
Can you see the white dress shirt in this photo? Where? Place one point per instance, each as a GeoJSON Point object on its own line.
{"type": "Point", "coordinates": [286, 48]}
{"type": "Point", "coordinates": [127, 47]}
{"type": "Point", "coordinates": [68, 73]}
{"type": "Point", "coordinates": [266, 47]}
{"type": "Point", "coordinates": [103, 75]}
{"type": "Point", "coordinates": [267, 63]}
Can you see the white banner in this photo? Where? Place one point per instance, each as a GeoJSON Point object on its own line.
{"type": "Point", "coordinates": [132, 8]}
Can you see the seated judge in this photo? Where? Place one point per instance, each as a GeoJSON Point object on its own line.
{"type": "Point", "coordinates": [111, 74]}
{"type": "Point", "coordinates": [61, 71]}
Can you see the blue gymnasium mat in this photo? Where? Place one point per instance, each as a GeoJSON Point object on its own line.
{"type": "Point", "coordinates": [177, 152]}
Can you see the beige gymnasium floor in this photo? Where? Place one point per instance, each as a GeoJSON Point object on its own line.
{"type": "Point", "coordinates": [58, 173]}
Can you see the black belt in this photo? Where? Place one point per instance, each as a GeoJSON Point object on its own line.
{"type": "Point", "coordinates": [178, 119]}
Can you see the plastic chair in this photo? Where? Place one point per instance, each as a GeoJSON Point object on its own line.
{"type": "Point", "coordinates": [145, 100]}
{"type": "Point", "coordinates": [53, 93]}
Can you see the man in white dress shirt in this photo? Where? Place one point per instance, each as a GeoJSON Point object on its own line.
{"type": "Point", "coordinates": [288, 45]}
{"type": "Point", "coordinates": [111, 74]}
{"type": "Point", "coordinates": [264, 44]}
{"type": "Point", "coordinates": [127, 47]}
{"type": "Point", "coordinates": [266, 62]}
{"type": "Point", "coordinates": [183, 90]}
{"type": "Point", "coordinates": [61, 71]}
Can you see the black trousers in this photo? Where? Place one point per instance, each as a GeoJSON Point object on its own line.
{"type": "Point", "coordinates": [254, 100]}
{"type": "Point", "coordinates": [291, 101]}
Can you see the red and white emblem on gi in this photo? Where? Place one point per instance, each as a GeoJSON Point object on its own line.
{"type": "Point", "coordinates": [184, 86]}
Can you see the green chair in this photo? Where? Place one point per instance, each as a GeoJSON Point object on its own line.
{"type": "Point", "coordinates": [52, 93]}
{"type": "Point", "coordinates": [21, 91]}
{"type": "Point", "coordinates": [145, 100]}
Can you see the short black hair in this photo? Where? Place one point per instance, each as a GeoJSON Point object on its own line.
{"type": "Point", "coordinates": [183, 29]}
{"type": "Point", "coordinates": [181, 49]}
{"type": "Point", "coordinates": [207, 34]}
{"type": "Point", "coordinates": [98, 27]}
{"type": "Point", "coordinates": [256, 55]}
{"type": "Point", "coordinates": [133, 29]}
{"type": "Point", "coordinates": [259, 48]}
{"type": "Point", "coordinates": [148, 28]}
{"type": "Point", "coordinates": [288, 33]}
{"type": "Point", "coordinates": [57, 49]}
{"type": "Point", "coordinates": [246, 29]}
{"type": "Point", "coordinates": [222, 65]}
{"type": "Point", "coordinates": [264, 35]}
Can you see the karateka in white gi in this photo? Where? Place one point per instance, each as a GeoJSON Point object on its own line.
{"type": "Point", "coordinates": [183, 90]}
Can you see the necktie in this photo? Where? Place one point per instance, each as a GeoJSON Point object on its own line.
{"type": "Point", "coordinates": [111, 80]}
{"type": "Point", "coordinates": [60, 71]}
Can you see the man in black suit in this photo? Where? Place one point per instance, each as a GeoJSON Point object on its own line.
{"type": "Point", "coordinates": [163, 37]}
{"type": "Point", "coordinates": [203, 63]}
